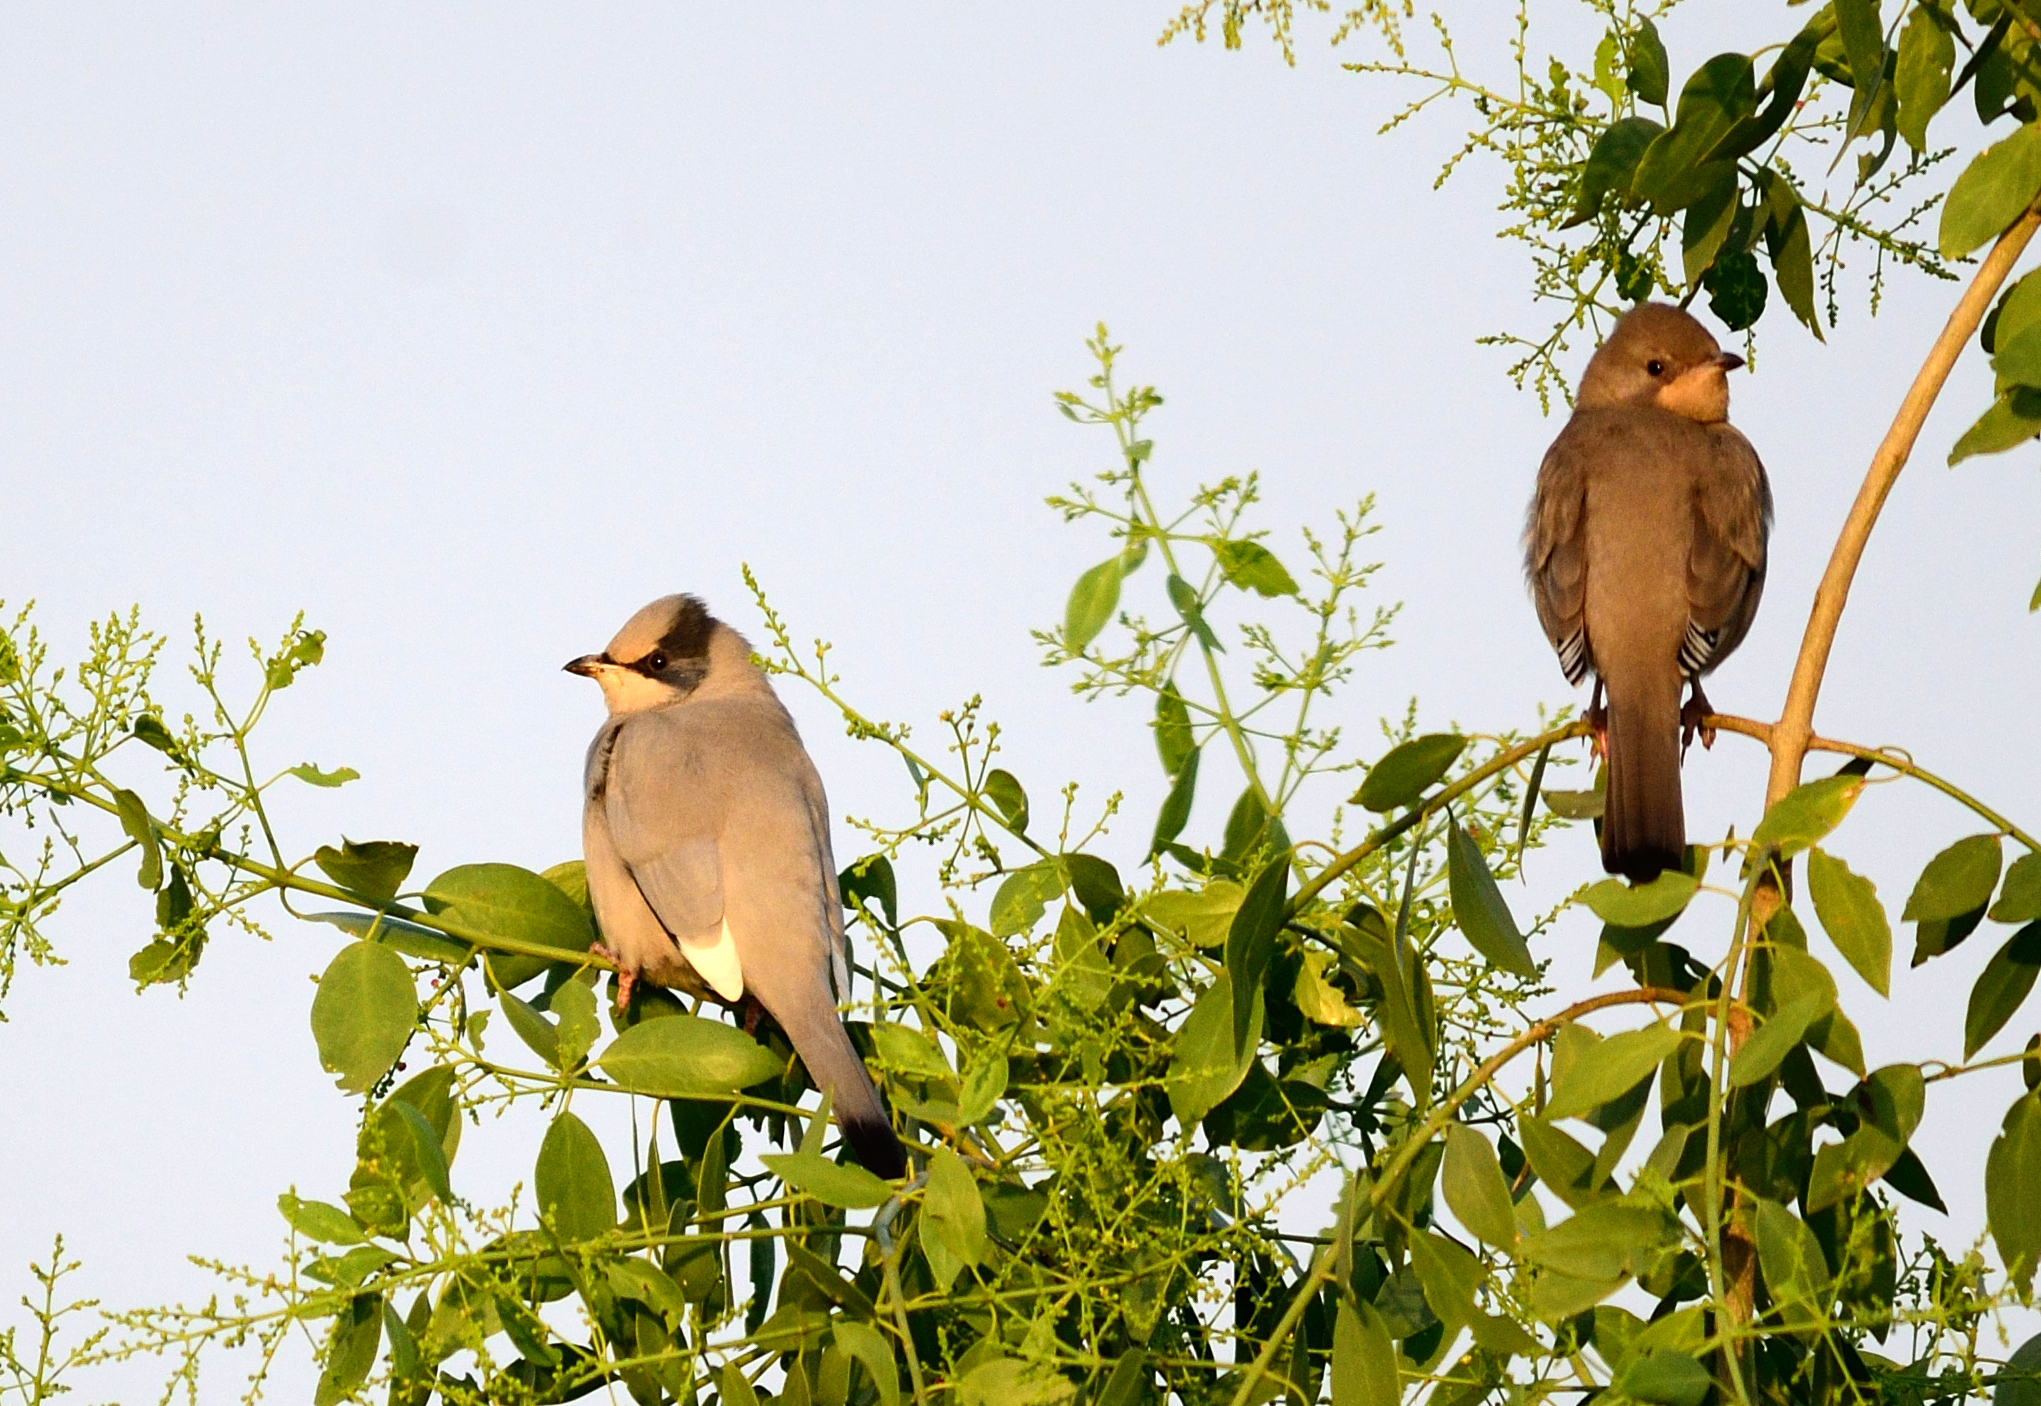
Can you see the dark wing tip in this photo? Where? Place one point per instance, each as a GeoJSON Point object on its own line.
{"type": "Point", "coordinates": [878, 1149]}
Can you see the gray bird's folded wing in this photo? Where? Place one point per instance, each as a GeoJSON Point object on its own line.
{"type": "Point", "coordinates": [1555, 554]}
{"type": "Point", "coordinates": [1726, 565]}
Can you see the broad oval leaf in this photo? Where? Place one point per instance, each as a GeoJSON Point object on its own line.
{"type": "Point", "coordinates": [1203, 918]}
{"type": "Point", "coordinates": [1251, 940]}
{"type": "Point", "coordinates": [572, 1180]}
{"type": "Point", "coordinates": [1620, 1064]}
{"type": "Point", "coordinates": [411, 939]}
{"type": "Point", "coordinates": [503, 900]}
{"type": "Point", "coordinates": [1253, 567]}
{"type": "Point", "coordinates": [1611, 164]}
{"type": "Point", "coordinates": [1408, 771]}
{"type": "Point", "coordinates": [315, 1220]}
{"type": "Point", "coordinates": [1650, 76]}
{"type": "Point", "coordinates": [953, 1208]}
{"type": "Point", "coordinates": [1174, 738]}
{"type": "Point", "coordinates": [1475, 1188]}
{"type": "Point", "coordinates": [1796, 1271]}
{"type": "Point", "coordinates": [1639, 906]}
{"type": "Point", "coordinates": [1763, 1052]}
{"type": "Point", "coordinates": [1478, 907]}
{"type": "Point", "coordinates": [685, 1056]}
{"type": "Point", "coordinates": [363, 1014]}
{"type": "Point", "coordinates": [1958, 881]}
{"type": "Point", "coordinates": [375, 869]}
{"type": "Point", "coordinates": [1207, 1064]}
{"type": "Point", "coordinates": [2002, 987]}
{"type": "Point", "coordinates": [2013, 419]}
{"type": "Point", "coordinates": [1364, 1370]}
{"type": "Point", "coordinates": [1993, 191]}
{"type": "Point", "coordinates": [1807, 813]}
{"type": "Point", "coordinates": [1666, 1377]}
{"type": "Point", "coordinates": [1006, 794]}
{"type": "Point", "coordinates": [2012, 1189]}
{"type": "Point", "coordinates": [1091, 604]}
{"type": "Point", "coordinates": [849, 1188]}
{"type": "Point", "coordinates": [1720, 94]}
{"type": "Point", "coordinates": [1023, 896]}
{"type": "Point", "coordinates": [2019, 901]}
{"type": "Point", "coordinates": [1853, 918]}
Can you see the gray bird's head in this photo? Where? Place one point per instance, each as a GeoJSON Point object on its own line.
{"type": "Point", "coordinates": [1658, 355]}
{"type": "Point", "coordinates": [661, 656]}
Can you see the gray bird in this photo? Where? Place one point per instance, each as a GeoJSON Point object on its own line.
{"type": "Point", "coordinates": [707, 839]}
{"type": "Point", "coordinates": [1645, 551]}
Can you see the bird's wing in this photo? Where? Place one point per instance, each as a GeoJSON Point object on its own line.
{"type": "Point", "coordinates": [1555, 553]}
{"type": "Point", "coordinates": [665, 805]}
{"type": "Point", "coordinates": [1726, 562]}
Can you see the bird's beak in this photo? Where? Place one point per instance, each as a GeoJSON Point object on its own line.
{"type": "Point", "coordinates": [1728, 361]}
{"type": "Point", "coordinates": [587, 665]}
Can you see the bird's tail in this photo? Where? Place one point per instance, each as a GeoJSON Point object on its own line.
{"type": "Point", "coordinates": [833, 1063]}
{"type": "Point", "coordinates": [1644, 830]}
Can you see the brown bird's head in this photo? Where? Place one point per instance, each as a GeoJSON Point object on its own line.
{"type": "Point", "coordinates": [660, 657]}
{"type": "Point", "coordinates": [1658, 355]}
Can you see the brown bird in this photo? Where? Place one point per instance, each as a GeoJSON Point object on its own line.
{"type": "Point", "coordinates": [1645, 551]}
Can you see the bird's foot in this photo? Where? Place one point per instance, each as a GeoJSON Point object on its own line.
{"type": "Point", "coordinates": [1597, 717]}
{"type": "Point", "coordinates": [1694, 721]}
{"type": "Point", "coordinates": [753, 1013]}
{"type": "Point", "coordinates": [626, 978]}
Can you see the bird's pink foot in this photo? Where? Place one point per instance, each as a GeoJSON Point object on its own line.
{"type": "Point", "coordinates": [626, 978]}
{"type": "Point", "coordinates": [753, 1012]}
{"type": "Point", "coordinates": [1693, 721]}
{"type": "Point", "coordinates": [1597, 717]}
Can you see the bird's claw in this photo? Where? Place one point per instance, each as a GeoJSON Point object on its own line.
{"type": "Point", "coordinates": [1694, 722]}
{"type": "Point", "coordinates": [626, 978]}
{"type": "Point", "coordinates": [1597, 717]}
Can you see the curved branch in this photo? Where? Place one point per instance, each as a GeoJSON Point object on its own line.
{"type": "Point", "coordinates": [1791, 738]}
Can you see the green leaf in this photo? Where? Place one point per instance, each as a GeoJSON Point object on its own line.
{"type": "Point", "coordinates": [572, 1180]}
{"type": "Point", "coordinates": [851, 1188]}
{"type": "Point", "coordinates": [863, 1343]}
{"type": "Point", "coordinates": [1666, 1377]}
{"type": "Point", "coordinates": [1185, 599]}
{"type": "Point", "coordinates": [1640, 905]}
{"type": "Point", "coordinates": [1251, 941]}
{"type": "Point", "coordinates": [1927, 53]}
{"type": "Point", "coordinates": [1796, 1272]}
{"type": "Point", "coordinates": [1364, 1371]}
{"type": "Point", "coordinates": [1175, 740]}
{"type": "Point", "coordinates": [1023, 896]}
{"type": "Point", "coordinates": [363, 1014]}
{"type": "Point", "coordinates": [1807, 813]}
{"type": "Point", "coordinates": [1958, 881]}
{"type": "Point", "coordinates": [872, 878]}
{"type": "Point", "coordinates": [1475, 1188]}
{"type": "Point", "coordinates": [1610, 165]}
{"type": "Point", "coordinates": [1011, 1381]}
{"type": "Point", "coordinates": [538, 1033]}
{"type": "Point", "coordinates": [1774, 1040]}
{"type": "Point", "coordinates": [399, 936]}
{"type": "Point", "coordinates": [503, 900]}
{"type": "Point", "coordinates": [685, 1056]}
{"type": "Point", "coordinates": [315, 1220]}
{"type": "Point", "coordinates": [1620, 1064]}
{"type": "Point", "coordinates": [2020, 900]}
{"type": "Point", "coordinates": [1650, 76]}
{"type": "Point", "coordinates": [350, 1349]}
{"type": "Point", "coordinates": [573, 1004]}
{"type": "Point", "coordinates": [1129, 1383]}
{"type": "Point", "coordinates": [1560, 1162]}
{"type": "Point", "coordinates": [1403, 776]}
{"type": "Point", "coordinates": [649, 1285]}
{"type": "Point", "coordinates": [1092, 602]}
{"type": "Point", "coordinates": [1318, 999]}
{"type": "Point", "coordinates": [1994, 190]}
{"type": "Point", "coordinates": [1789, 245]}
{"type": "Point", "coordinates": [1853, 918]}
{"type": "Point", "coordinates": [984, 1086]}
{"type": "Point", "coordinates": [149, 729]}
{"type": "Point", "coordinates": [1479, 910]}
{"type": "Point", "coordinates": [1674, 171]}
{"type": "Point", "coordinates": [428, 1151]}
{"type": "Point", "coordinates": [1863, 37]}
{"type": "Point", "coordinates": [1203, 918]}
{"type": "Point", "coordinates": [952, 1208]}
{"type": "Point", "coordinates": [2013, 419]}
{"type": "Point", "coordinates": [2012, 1190]}
{"type": "Point", "coordinates": [2001, 988]}
{"type": "Point", "coordinates": [1006, 795]}
{"type": "Point", "coordinates": [1737, 290]}
{"type": "Point", "coordinates": [1208, 1064]}
{"type": "Point", "coordinates": [313, 776]}
{"type": "Point", "coordinates": [375, 869]}
{"type": "Point", "coordinates": [1176, 806]}
{"type": "Point", "coordinates": [1253, 567]}
{"type": "Point", "coordinates": [134, 819]}
{"type": "Point", "coordinates": [2020, 1383]}
{"type": "Point", "coordinates": [1711, 214]}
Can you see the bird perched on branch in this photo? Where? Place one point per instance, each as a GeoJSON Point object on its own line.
{"type": "Point", "coordinates": [707, 839]}
{"type": "Point", "coordinates": [1645, 551]}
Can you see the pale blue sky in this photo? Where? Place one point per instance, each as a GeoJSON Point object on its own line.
{"type": "Point", "coordinates": [467, 329]}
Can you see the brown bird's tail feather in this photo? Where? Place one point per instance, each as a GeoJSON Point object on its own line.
{"type": "Point", "coordinates": [833, 1063]}
{"type": "Point", "coordinates": [1644, 829]}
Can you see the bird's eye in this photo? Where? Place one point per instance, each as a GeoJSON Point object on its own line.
{"type": "Point", "coordinates": [1655, 368]}
{"type": "Point", "coordinates": [656, 661]}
